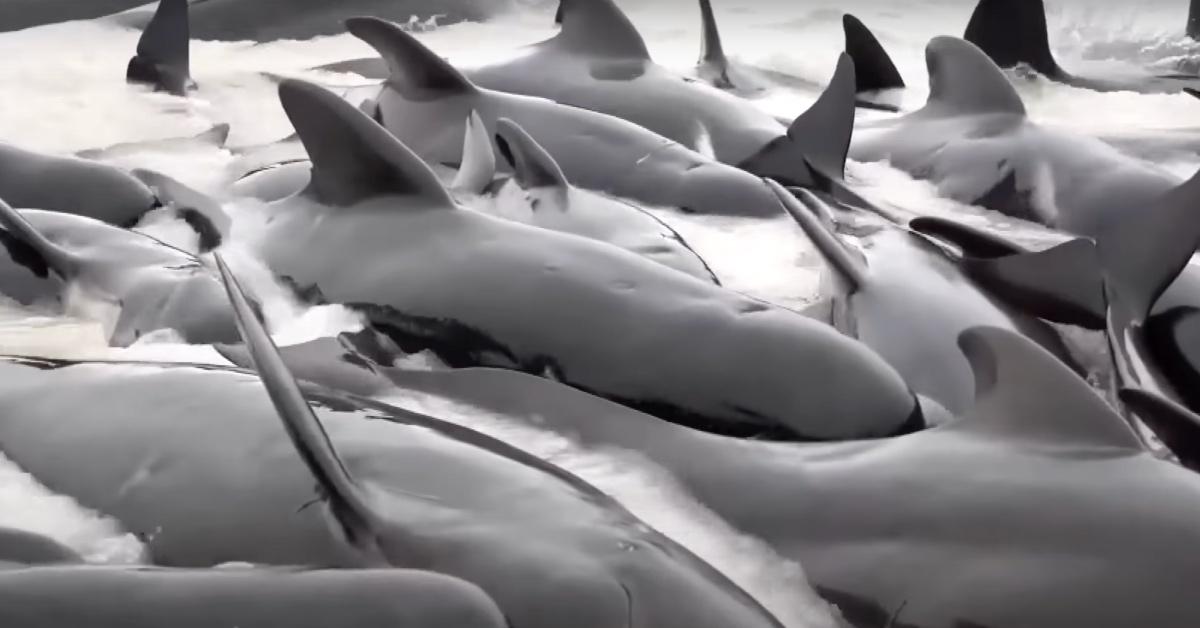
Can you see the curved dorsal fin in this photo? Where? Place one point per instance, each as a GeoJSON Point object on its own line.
{"type": "Point", "coordinates": [62, 261]}
{"type": "Point", "coordinates": [873, 68]}
{"type": "Point", "coordinates": [1142, 254]}
{"type": "Point", "coordinates": [962, 79]}
{"type": "Point", "coordinates": [1193, 23]}
{"type": "Point", "coordinates": [347, 500]}
{"type": "Point", "coordinates": [712, 52]}
{"type": "Point", "coordinates": [1023, 392]}
{"type": "Point", "coordinates": [478, 166]}
{"type": "Point", "coordinates": [414, 68]}
{"type": "Point", "coordinates": [1012, 32]}
{"type": "Point", "coordinates": [1175, 425]}
{"type": "Point", "coordinates": [844, 261]}
{"type": "Point", "coordinates": [162, 56]}
{"type": "Point", "coordinates": [533, 167]}
{"type": "Point", "coordinates": [600, 28]}
{"type": "Point", "coordinates": [353, 157]}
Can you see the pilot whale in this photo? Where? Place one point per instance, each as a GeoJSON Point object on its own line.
{"type": "Point", "coordinates": [163, 51]}
{"type": "Point", "coordinates": [974, 141]}
{"type": "Point", "coordinates": [152, 285]}
{"type": "Point", "coordinates": [377, 231]}
{"type": "Point", "coordinates": [599, 61]}
{"type": "Point", "coordinates": [1013, 32]}
{"type": "Point", "coordinates": [100, 597]}
{"type": "Point", "coordinates": [425, 100]}
{"type": "Point", "coordinates": [547, 547]}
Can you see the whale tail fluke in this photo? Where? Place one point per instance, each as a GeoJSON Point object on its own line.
{"type": "Point", "coordinates": [1013, 32]}
{"type": "Point", "coordinates": [162, 58]}
{"type": "Point", "coordinates": [820, 137]}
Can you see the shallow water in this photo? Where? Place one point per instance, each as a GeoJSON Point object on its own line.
{"type": "Point", "coordinates": [64, 93]}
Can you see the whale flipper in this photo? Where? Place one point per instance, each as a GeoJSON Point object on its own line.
{"type": "Point", "coordinates": [162, 58]}
{"type": "Point", "coordinates": [1177, 426]}
{"type": "Point", "coordinates": [1013, 32]}
{"type": "Point", "coordinates": [820, 136]}
{"type": "Point", "coordinates": [599, 28]}
{"type": "Point", "coordinates": [1023, 392]}
{"type": "Point", "coordinates": [873, 68]}
{"type": "Point", "coordinates": [533, 167]}
{"type": "Point", "coordinates": [849, 265]}
{"type": "Point", "coordinates": [353, 157]}
{"type": "Point", "coordinates": [348, 501]}
{"type": "Point", "coordinates": [478, 166]}
{"type": "Point", "coordinates": [200, 211]}
{"type": "Point", "coordinates": [972, 241]}
{"type": "Point", "coordinates": [714, 65]}
{"type": "Point", "coordinates": [60, 260]}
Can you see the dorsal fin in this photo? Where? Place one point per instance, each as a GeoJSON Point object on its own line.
{"type": "Point", "coordinates": [1063, 284]}
{"type": "Point", "coordinates": [1013, 32]}
{"type": "Point", "coordinates": [478, 166]}
{"type": "Point", "coordinates": [533, 167]}
{"type": "Point", "coordinates": [963, 80]}
{"type": "Point", "coordinates": [712, 52]}
{"type": "Point", "coordinates": [845, 262]}
{"type": "Point", "coordinates": [414, 68]}
{"type": "Point", "coordinates": [600, 28]}
{"type": "Point", "coordinates": [873, 68]}
{"type": "Point", "coordinates": [1193, 23]}
{"type": "Point", "coordinates": [353, 157]}
{"type": "Point", "coordinates": [347, 500]}
{"type": "Point", "coordinates": [558, 14]}
{"type": "Point", "coordinates": [819, 136]}
{"type": "Point", "coordinates": [60, 260]}
{"type": "Point", "coordinates": [162, 58]}
{"type": "Point", "coordinates": [1175, 425]}
{"type": "Point", "coordinates": [1023, 392]}
{"type": "Point", "coordinates": [973, 242]}
{"type": "Point", "coordinates": [1142, 254]}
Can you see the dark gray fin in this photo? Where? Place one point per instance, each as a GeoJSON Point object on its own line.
{"type": "Point", "coordinates": [1013, 32]}
{"type": "Point", "coordinates": [845, 262]}
{"type": "Point", "coordinates": [347, 500]}
{"type": "Point", "coordinates": [353, 157]}
{"type": "Point", "coordinates": [414, 70]}
{"type": "Point", "coordinates": [1143, 254]}
{"type": "Point", "coordinates": [202, 212]}
{"type": "Point", "coordinates": [1024, 392]}
{"type": "Point", "coordinates": [1193, 23]}
{"type": "Point", "coordinates": [558, 14]}
{"type": "Point", "coordinates": [843, 193]}
{"type": "Point", "coordinates": [532, 166]}
{"type": "Point", "coordinates": [162, 52]}
{"type": "Point", "coordinates": [873, 68]}
{"type": "Point", "coordinates": [820, 135]}
{"type": "Point", "coordinates": [973, 242]}
{"type": "Point", "coordinates": [478, 166]}
{"type": "Point", "coordinates": [1063, 284]}
{"type": "Point", "coordinates": [372, 68]}
{"type": "Point", "coordinates": [600, 28]}
{"type": "Point", "coordinates": [65, 263]}
{"type": "Point", "coordinates": [1176, 426]}
{"type": "Point", "coordinates": [962, 79]}
{"type": "Point", "coordinates": [1194, 93]}
{"type": "Point", "coordinates": [28, 548]}
{"type": "Point", "coordinates": [712, 52]}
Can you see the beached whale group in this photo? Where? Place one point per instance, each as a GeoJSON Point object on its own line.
{"type": "Point", "coordinates": [924, 441]}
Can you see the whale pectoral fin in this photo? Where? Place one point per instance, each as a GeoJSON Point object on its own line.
{"type": "Point", "coordinates": [478, 166]}
{"type": "Point", "coordinates": [60, 260]}
{"type": "Point", "coordinates": [1143, 254]}
{"type": "Point", "coordinates": [973, 242]}
{"type": "Point", "coordinates": [1024, 392]}
{"type": "Point", "coordinates": [1177, 426]}
{"type": "Point", "coordinates": [413, 68]}
{"type": "Point", "coordinates": [846, 263]}
{"type": "Point", "coordinates": [1013, 32]}
{"type": "Point", "coordinates": [1063, 284]}
{"type": "Point", "coordinates": [873, 68]}
{"type": "Point", "coordinates": [347, 500]}
{"type": "Point", "coordinates": [532, 166]}
{"type": "Point", "coordinates": [353, 157]}
{"type": "Point", "coordinates": [202, 212]}
{"type": "Point", "coordinates": [712, 53]}
{"type": "Point", "coordinates": [820, 135]}
{"type": "Point", "coordinates": [600, 28]}
{"type": "Point", "coordinates": [163, 51]}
